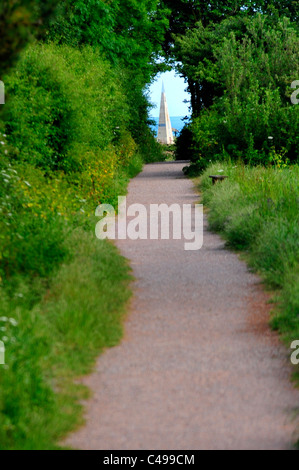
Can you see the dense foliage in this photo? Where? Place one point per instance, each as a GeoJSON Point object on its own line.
{"type": "Point", "coordinates": [239, 60]}
{"type": "Point", "coordinates": [130, 34]}
{"type": "Point", "coordinates": [20, 22]}
{"type": "Point", "coordinates": [75, 122]}
{"type": "Point", "coordinates": [185, 15]}
{"type": "Point", "coordinates": [74, 129]}
{"type": "Point", "coordinates": [72, 132]}
{"type": "Point", "coordinates": [248, 114]}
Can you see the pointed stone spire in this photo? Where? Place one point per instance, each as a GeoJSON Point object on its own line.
{"type": "Point", "coordinates": [165, 135]}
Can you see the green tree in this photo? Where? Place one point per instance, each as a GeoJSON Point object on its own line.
{"type": "Point", "coordinates": [129, 34]}
{"type": "Point", "coordinates": [20, 22]}
{"type": "Point", "coordinates": [187, 14]}
{"type": "Point", "coordinates": [249, 64]}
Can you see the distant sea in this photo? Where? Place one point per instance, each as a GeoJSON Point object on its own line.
{"type": "Point", "coordinates": [176, 122]}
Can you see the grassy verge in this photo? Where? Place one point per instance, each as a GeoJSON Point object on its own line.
{"type": "Point", "coordinates": [66, 146]}
{"type": "Point", "coordinates": [63, 295]}
{"type": "Point", "coordinates": [50, 342]}
{"type": "Point", "coordinates": [257, 211]}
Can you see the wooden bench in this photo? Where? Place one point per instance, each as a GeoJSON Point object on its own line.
{"type": "Point", "coordinates": [216, 178]}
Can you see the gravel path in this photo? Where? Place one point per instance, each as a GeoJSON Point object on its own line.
{"type": "Point", "coordinates": [198, 367]}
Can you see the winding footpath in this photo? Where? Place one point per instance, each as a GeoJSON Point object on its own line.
{"type": "Point", "coordinates": [198, 367]}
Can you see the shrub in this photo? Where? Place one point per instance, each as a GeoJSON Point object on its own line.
{"type": "Point", "coordinates": [33, 221]}
{"type": "Point", "coordinates": [68, 149]}
{"type": "Point", "coordinates": [62, 98]}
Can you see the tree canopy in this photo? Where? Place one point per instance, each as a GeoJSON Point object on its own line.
{"type": "Point", "coordinates": [20, 22]}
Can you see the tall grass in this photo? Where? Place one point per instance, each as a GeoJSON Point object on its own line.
{"type": "Point", "coordinates": [257, 211]}
{"type": "Point", "coordinates": [51, 342]}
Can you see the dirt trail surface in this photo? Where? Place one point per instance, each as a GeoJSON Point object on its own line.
{"type": "Point", "coordinates": [198, 367]}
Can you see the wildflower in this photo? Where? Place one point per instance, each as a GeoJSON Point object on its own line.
{"type": "Point", "coordinates": [270, 137]}
{"type": "Point", "coordinates": [4, 319]}
{"type": "Point", "coordinates": [220, 171]}
{"type": "Point", "coordinates": [13, 322]}
{"type": "Point", "coordinates": [28, 184]}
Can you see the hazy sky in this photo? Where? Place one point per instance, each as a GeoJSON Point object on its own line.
{"type": "Point", "coordinates": [175, 94]}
